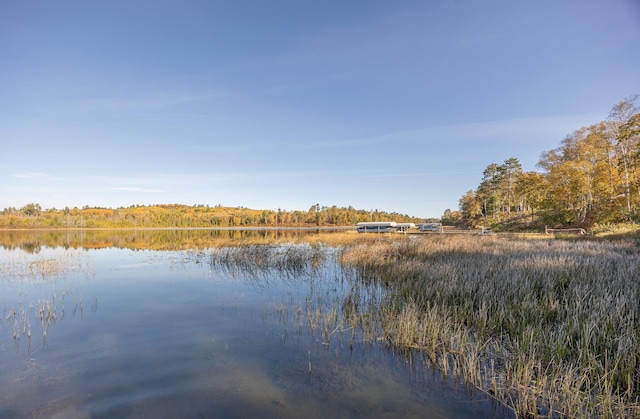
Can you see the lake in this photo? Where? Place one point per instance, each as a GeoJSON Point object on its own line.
{"type": "Point", "coordinates": [201, 323]}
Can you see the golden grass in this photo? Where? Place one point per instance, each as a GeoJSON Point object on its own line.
{"type": "Point", "coordinates": [549, 327]}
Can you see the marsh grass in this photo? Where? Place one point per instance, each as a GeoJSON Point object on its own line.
{"type": "Point", "coordinates": [550, 328]}
{"type": "Point", "coordinates": [616, 231]}
{"type": "Point", "coordinates": [260, 261]}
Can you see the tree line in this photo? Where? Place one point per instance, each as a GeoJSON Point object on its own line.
{"type": "Point", "coordinates": [592, 177]}
{"type": "Point", "coordinates": [33, 215]}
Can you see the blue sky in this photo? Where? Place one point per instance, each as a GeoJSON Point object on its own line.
{"type": "Point", "coordinates": [390, 105]}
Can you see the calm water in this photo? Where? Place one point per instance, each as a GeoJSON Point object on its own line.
{"type": "Point", "coordinates": [94, 326]}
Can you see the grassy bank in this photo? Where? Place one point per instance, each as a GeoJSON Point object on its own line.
{"type": "Point", "coordinates": [549, 327]}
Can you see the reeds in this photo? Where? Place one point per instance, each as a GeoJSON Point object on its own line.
{"type": "Point", "coordinates": [38, 288]}
{"type": "Point", "coordinates": [260, 261]}
{"type": "Point", "coordinates": [550, 328]}
{"type": "Point", "coordinates": [34, 268]}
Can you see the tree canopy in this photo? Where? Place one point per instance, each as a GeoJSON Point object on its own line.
{"type": "Point", "coordinates": [593, 176]}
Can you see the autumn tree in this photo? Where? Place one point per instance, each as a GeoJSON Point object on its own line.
{"type": "Point", "coordinates": [581, 176]}
{"type": "Point", "coordinates": [470, 208]}
{"type": "Point", "coordinates": [532, 190]}
{"type": "Point", "coordinates": [450, 218]}
{"type": "Point", "coordinates": [624, 129]}
{"type": "Point", "coordinates": [630, 135]}
{"type": "Point", "coordinates": [593, 176]}
{"type": "Point", "coordinates": [31, 209]}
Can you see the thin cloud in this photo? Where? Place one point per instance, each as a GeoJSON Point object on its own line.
{"type": "Point", "coordinates": [177, 181]}
{"type": "Point", "coordinates": [422, 174]}
{"type": "Point", "coordinates": [134, 103]}
{"type": "Point", "coordinates": [136, 189]}
{"type": "Point", "coordinates": [34, 176]}
{"type": "Point", "coordinates": [540, 127]}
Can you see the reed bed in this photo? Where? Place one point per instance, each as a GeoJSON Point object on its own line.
{"type": "Point", "coordinates": [262, 260]}
{"type": "Point", "coordinates": [550, 328]}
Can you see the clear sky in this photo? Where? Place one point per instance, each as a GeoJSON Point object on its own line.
{"type": "Point", "coordinates": [390, 105]}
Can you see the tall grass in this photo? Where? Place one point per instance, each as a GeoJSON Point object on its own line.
{"type": "Point", "coordinates": [262, 260]}
{"type": "Point", "coordinates": [551, 328]}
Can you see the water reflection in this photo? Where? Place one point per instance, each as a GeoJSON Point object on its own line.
{"type": "Point", "coordinates": [230, 331]}
{"type": "Point", "coordinates": [32, 241]}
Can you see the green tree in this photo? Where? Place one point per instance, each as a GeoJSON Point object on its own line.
{"type": "Point", "coordinates": [31, 209]}
{"type": "Point", "coordinates": [531, 188]}
{"type": "Point", "coordinates": [450, 218]}
{"type": "Point", "coordinates": [488, 190]}
{"type": "Point", "coordinates": [497, 190]}
{"type": "Point", "coordinates": [509, 174]}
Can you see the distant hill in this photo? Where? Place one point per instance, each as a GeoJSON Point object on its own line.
{"type": "Point", "coordinates": [185, 216]}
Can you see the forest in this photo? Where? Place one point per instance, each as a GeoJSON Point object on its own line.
{"type": "Point", "coordinates": [184, 216]}
{"type": "Point", "coordinates": [593, 177]}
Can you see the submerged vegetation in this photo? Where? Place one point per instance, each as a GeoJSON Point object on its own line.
{"type": "Point", "coordinates": [55, 297]}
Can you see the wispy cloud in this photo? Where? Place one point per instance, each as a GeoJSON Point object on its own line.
{"type": "Point", "coordinates": [143, 102]}
{"type": "Point", "coordinates": [137, 189]}
{"type": "Point", "coordinates": [34, 176]}
{"type": "Point", "coordinates": [421, 174]}
{"type": "Point", "coordinates": [173, 182]}
{"type": "Point", "coordinates": [340, 49]}
{"type": "Point", "coordinates": [541, 128]}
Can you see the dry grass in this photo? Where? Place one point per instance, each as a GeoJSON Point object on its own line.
{"type": "Point", "coordinates": [551, 328]}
